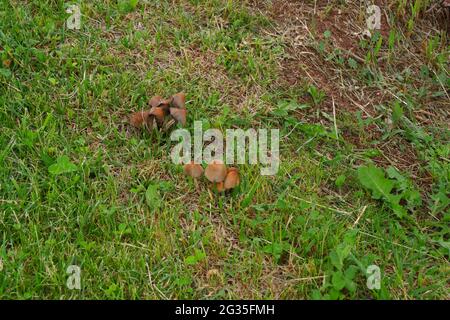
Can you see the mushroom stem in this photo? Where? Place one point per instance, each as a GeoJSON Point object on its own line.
{"type": "Point", "coordinates": [196, 185]}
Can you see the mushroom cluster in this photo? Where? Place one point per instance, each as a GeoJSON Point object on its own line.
{"type": "Point", "coordinates": [160, 111]}
{"type": "Point", "coordinates": [165, 112]}
{"type": "Point", "coordinates": [223, 178]}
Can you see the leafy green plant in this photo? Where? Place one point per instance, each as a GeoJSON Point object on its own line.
{"type": "Point", "coordinates": [153, 194]}
{"type": "Point", "coordinates": [343, 270]}
{"type": "Point", "coordinates": [198, 256]}
{"type": "Point", "coordinates": [392, 40]}
{"type": "Point", "coordinates": [317, 95]}
{"type": "Point", "coordinates": [381, 187]}
{"type": "Point", "coordinates": [375, 47]}
{"type": "Point", "coordinates": [127, 6]}
{"type": "Point", "coordinates": [340, 180]}
{"type": "Point", "coordinates": [284, 107]}
{"type": "Point", "coordinates": [62, 165]}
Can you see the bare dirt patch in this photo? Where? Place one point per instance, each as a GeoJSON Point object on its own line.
{"type": "Point", "coordinates": [302, 26]}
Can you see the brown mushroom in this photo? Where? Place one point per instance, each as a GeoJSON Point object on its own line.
{"type": "Point", "coordinates": [179, 100]}
{"type": "Point", "coordinates": [158, 101]}
{"type": "Point", "coordinates": [220, 186]}
{"type": "Point", "coordinates": [216, 171]}
{"type": "Point", "coordinates": [232, 179]}
{"type": "Point", "coordinates": [159, 114]}
{"type": "Point", "coordinates": [141, 119]}
{"type": "Point", "coordinates": [193, 170]}
{"type": "Point", "coordinates": [155, 101]}
{"type": "Point", "coordinates": [179, 115]}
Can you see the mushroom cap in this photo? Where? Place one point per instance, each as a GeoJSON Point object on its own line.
{"type": "Point", "coordinates": [216, 171]}
{"type": "Point", "coordinates": [193, 170]}
{"type": "Point", "coordinates": [158, 101]}
{"type": "Point", "coordinates": [155, 101]}
{"type": "Point", "coordinates": [179, 100]}
{"type": "Point", "coordinates": [159, 114]}
{"type": "Point", "coordinates": [232, 179]}
{"type": "Point", "coordinates": [139, 119]}
{"type": "Point", "coordinates": [179, 115]}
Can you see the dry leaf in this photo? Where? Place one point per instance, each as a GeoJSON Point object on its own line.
{"type": "Point", "coordinates": [212, 272]}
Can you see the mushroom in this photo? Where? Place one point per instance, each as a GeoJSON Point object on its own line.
{"type": "Point", "coordinates": [220, 187]}
{"type": "Point", "coordinates": [159, 102]}
{"type": "Point", "coordinates": [232, 179]}
{"type": "Point", "coordinates": [155, 101]}
{"type": "Point", "coordinates": [193, 170]}
{"type": "Point", "coordinates": [142, 119]}
{"type": "Point", "coordinates": [216, 172]}
{"type": "Point", "coordinates": [158, 113]}
{"type": "Point", "coordinates": [178, 108]}
{"type": "Point", "coordinates": [179, 115]}
{"type": "Point", "coordinates": [179, 100]}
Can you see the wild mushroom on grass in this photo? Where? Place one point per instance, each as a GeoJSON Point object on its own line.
{"type": "Point", "coordinates": [179, 100]}
{"type": "Point", "coordinates": [178, 108]}
{"type": "Point", "coordinates": [142, 119]}
{"type": "Point", "coordinates": [232, 179]}
{"type": "Point", "coordinates": [193, 170]}
{"type": "Point", "coordinates": [220, 187]}
{"type": "Point", "coordinates": [216, 172]}
{"type": "Point", "coordinates": [159, 114]}
{"type": "Point", "coordinates": [155, 101]}
{"type": "Point", "coordinates": [179, 115]}
{"type": "Point", "coordinates": [160, 109]}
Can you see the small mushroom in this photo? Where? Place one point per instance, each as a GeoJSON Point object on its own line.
{"type": "Point", "coordinates": [159, 114]}
{"type": "Point", "coordinates": [179, 100]}
{"type": "Point", "coordinates": [232, 179]}
{"type": "Point", "coordinates": [155, 101]}
{"type": "Point", "coordinates": [216, 172]}
{"type": "Point", "coordinates": [141, 119]}
{"type": "Point", "coordinates": [220, 187]}
{"type": "Point", "coordinates": [179, 115]}
{"type": "Point", "coordinates": [193, 170]}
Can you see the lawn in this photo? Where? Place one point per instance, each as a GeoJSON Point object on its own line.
{"type": "Point", "coordinates": [364, 177]}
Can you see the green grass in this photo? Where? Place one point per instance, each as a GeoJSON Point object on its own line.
{"type": "Point", "coordinates": [311, 231]}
